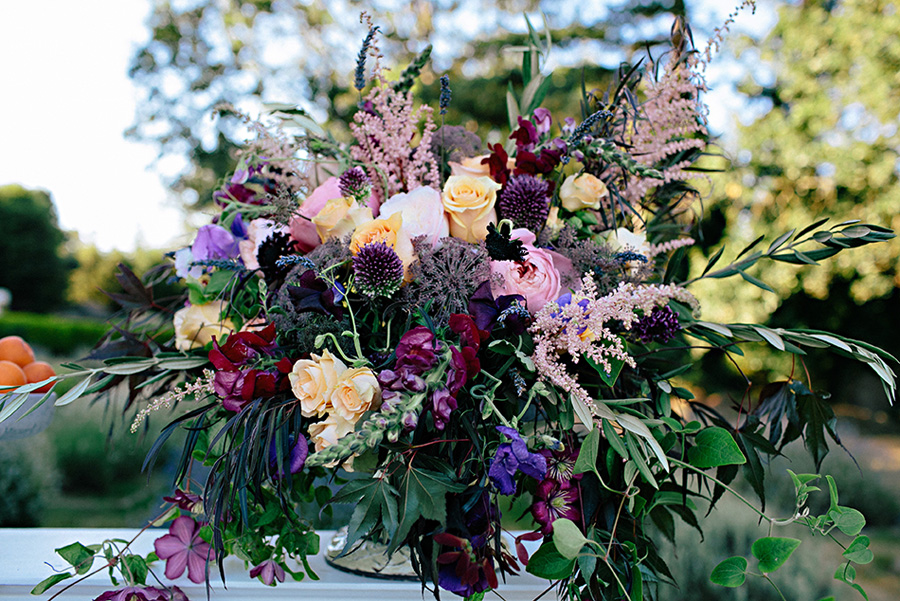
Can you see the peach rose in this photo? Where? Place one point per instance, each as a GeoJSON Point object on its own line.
{"type": "Point", "coordinates": [537, 278]}
{"type": "Point", "coordinates": [303, 230]}
{"type": "Point", "coordinates": [339, 217]}
{"type": "Point", "coordinates": [469, 202]}
{"type": "Point", "coordinates": [195, 325]}
{"type": "Point", "coordinates": [328, 431]}
{"type": "Point", "coordinates": [313, 381]}
{"type": "Point", "coordinates": [422, 212]}
{"type": "Point", "coordinates": [355, 393]}
{"type": "Point", "coordinates": [471, 166]}
{"type": "Point", "coordinates": [582, 192]}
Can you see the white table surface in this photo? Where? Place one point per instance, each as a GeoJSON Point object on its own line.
{"type": "Point", "coordinates": [25, 554]}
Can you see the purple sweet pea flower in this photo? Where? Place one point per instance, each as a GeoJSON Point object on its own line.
{"type": "Point", "coordinates": [268, 572]}
{"type": "Point", "coordinates": [542, 121]}
{"type": "Point", "coordinates": [229, 386]}
{"type": "Point", "coordinates": [183, 548]}
{"type": "Point", "coordinates": [214, 242]}
{"type": "Point", "coordinates": [514, 457]}
{"type": "Point", "coordinates": [238, 228]}
{"type": "Point", "coordinates": [508, 310]}
{"type": "Point", "coordinates": [456, 375]}
{"type": "Point", "coordinates": [294, 463]}
{"type": "Point", "coordinates": [416, 349]}
{"type": "Point", "coordinates": [442, 404]}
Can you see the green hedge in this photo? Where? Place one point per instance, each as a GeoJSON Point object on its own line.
{"type": "Point", "coordinates": [53, 333]}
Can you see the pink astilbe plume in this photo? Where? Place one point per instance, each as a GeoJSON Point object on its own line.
{"type": "Point", "coordinates": [385, 129]}
{"type": "Point", "coordinates": [578, 326]}
{"type": "Point", "coordinates": [671, 122]}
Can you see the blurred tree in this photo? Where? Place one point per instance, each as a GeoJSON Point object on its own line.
{"type": "Point", "coordinates": [202, 54]}
{"type": "Point", "coordinates": [826, 80]}
{"type": "Point", "coordinates": [32, 265]}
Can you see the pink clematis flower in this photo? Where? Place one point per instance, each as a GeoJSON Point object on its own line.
{"type": "Point", "coordinates": [268, 571]}
{"type": "Point", "coordinates": [183, 548]}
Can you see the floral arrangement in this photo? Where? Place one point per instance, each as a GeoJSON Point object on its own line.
{"type": "Point", "coordinates": [463, 328]}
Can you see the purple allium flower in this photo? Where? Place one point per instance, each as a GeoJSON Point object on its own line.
{"type": "Point", "coordinates": [553, 500]}
{"type": "Point", "coordinates": [268, 572]}
{"type": "Point", "coordinates": [183, 548]}
{"type": "Point", "coordinates": [378, 269]}
{"type": "Point", "coordinates": [660, 325]}
{"type": "Point", "coordinates": [514, 457]}
{"type": "Point", "coordinates": [442, 405]}
{"type": "Point", "coordinates": [294, 462]}
{"type": "Point", "coordinates": [525, 200]}
{"type": "Point", "coordinates": [214, 242]}
{"type": "Point", "coordinates": [355, 183]}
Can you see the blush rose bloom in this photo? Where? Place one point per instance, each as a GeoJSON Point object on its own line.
{"type": "Point", "coordinates": [356, 392]}
{"type": "Point", "coordinates": [195, 325]}
{"type": "Point", "coordinates": [422, 212]}
{"type": "Point", "coordinates": [257, 232]}
{"type": "Point", "coordinates": [339, 217]}
{"type": "Point", "coordinates": [313, 381]}
{"type": "Point", "coordinates": [471, 166]}
{"type": "Point", "coordinates": [469, 203]}
{"type": "Point", "coordinates": [303, 230]}
{"type": "Point", "coordinates": [537, 278]}
{"type": "Point", "coordinates": [583, 192]}
{"type": "Point", "coordinates": [328, 431]}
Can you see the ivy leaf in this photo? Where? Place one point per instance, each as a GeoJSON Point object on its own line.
{"type": "Point", "coordinates": [848, 520]}
{"type": "Point", "coordinates": [847, 575]}
{"type": "Point", "coordinates": [714, 446]}
{"type": "Point", "coordinates": [858, 551]}
{"type": "Point", "coordinates": [548, 563]}
{"type": "Point", "coordinates": [773, 551]}
{"type": "Point", "coordinates": [731, 572]}
{"type": "Point", "coordinates": [567, 538]}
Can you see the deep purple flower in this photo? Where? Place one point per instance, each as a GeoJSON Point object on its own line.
{"type": "Point", "coordinates": [268, 572]}
{"type": "Point", "coordinates": [183, 548]}
{"type": "Point", "coordinates": [525, 200]}
{"type": "Point", "coordinates": [660, 325]}
{"type": "Point", "coordinates": [378, 270]}
{"type": "Point", "coordinates": [238, 228]}
{"type": "Point", "coordinates": [553, 500]}
{"type": "Point", "coordinates": [512, 457]}
{"type": "Point", "coordinates": [312, 293]}
{"type": "Point", "coordinates": [214, 242]}
{"type": "Point", "coordinates": [355, 183]}
{"type": "Point", "coordinates": [457, 372]}
{"type": "Point", "coordinates": [442, 405]}
{"type": "Point", "coordinates": [416, 349]}
{"type": "Point", "coordinates": [526, 135]}
{"type": "Point", "coordinates": [143, 593]}
{"type": "Point", "coordinates": [464, 571]}
{"type": "Point", "coordinates": [561, 464]}
{"type": "Point", "coordinates": [294, 462]}
{"type": "Point", "coordinates": [488, 312]}
{"type": "Point", "coordinates": [229, 387]}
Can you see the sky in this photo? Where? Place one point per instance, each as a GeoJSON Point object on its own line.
{"type": "Point", "coordinates": [67, 100]}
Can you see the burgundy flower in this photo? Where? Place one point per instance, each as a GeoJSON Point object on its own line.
{"type": "Point", "coordinates": [183, 548]}
{"type": "Point", "coordinates": [464, 571]}
{"type": "Point", "coordinates": [457, 372]}
{"type": "Point", "coordinates": [554, 500]}
{"type": "Point", "coordinates": [229, 387]}
{"type": "Point", "coordinates": [312, 293]}
{"type": "Point", "coordinates": [416, 349]}
{"type": "Point", "coordinates": [497, 163]}
{"type": "Point", "coordinates": [468, 330]}
{"type": "Point", "coordinates": [185, 500]}
{"type": "Point", "coordinates": [526, 136]}
{"type": "Point", "coordinates": [268, 572]}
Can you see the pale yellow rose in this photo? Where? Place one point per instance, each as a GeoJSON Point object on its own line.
{"type": "Point", "coordinates": [471, 166]}
{"type": "Point", "coordinates": [313, 381]}
{"type": "Point", "coordinates": [469, 202]}
{"type": "Point", "coordinates": [195, 325]}
{"type": "Point", "coordinates": [583, 192]}
{"type": "Point", "coordinates": [339, 217]}
{"type": "Point", "coordinates": [328, 431]}
{"type": "Point", "coordinates": [355, 393]}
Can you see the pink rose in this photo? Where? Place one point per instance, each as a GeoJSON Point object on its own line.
{"type": "Point", "coordinates": [303, 230]}
{"type": "Point", "coordinates": [422, 211]}
{"type": "Point", "coordinates": [537, 278]}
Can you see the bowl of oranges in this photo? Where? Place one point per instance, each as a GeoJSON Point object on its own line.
{"type": "Point", "coordinates": [18, 367]}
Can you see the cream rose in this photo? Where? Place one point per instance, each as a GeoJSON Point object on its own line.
{"type": "Point", "coordinates": [624, 238]}
{"type": "Point", "coordinates": [537, 278]}
{"type": "Point", "coordinates": [583, 192]}
{"type": "Point", "coordinates": [328, 431]}
{"type": "Point", "coordinates": [471, 166]}
{"type": "Point", "coordinates": [339, 217]}
{"type": "Point", "coordinates": [195, 325]}
{"type": "Point", "coordinates": [355, 393]}
{"type": "Point", "coordinates": [313, 381]}
{"type": "Point", "coordinates": [422, 212]}
{"type": "Point", "coordinates": [469, 203]}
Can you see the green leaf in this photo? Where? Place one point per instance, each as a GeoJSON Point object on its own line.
{"type": "Point", "coordinates": [423, 493]}
{"type": "Point", "coordinates": [612, 437]}
{"type": "Point", "coordinates": [136, 568]}
{"type": "Point", "coordinates": [731, 572]}
{"type": "Point", "coordinates": [75, 392]}
{"type": "Point", "coordinates": [858, 551]}
{"type": "Point", "coordinates": [587, 456]}
{"type": "Point", "coordinates": [779, 241]}
{"type": "Point", "coordinates": [567, 538]}
{"type": "Point", "coordinates": [609, 377]}
{"type": "Point", "coordinates": [714, 446]}
{"type": "Point", "coordinates": [548, 563]}
{"type": "Point", "coordinates": [78, 556]}
{"type": "Point", "coordinates": [48, 582]}
{"type": "Point", "coordinates": [756, 282]}
{"type": "Point", "coordinates": [847, 575]}
{"type": "Point", "coordinates": [848, 520]}
{"type": "Point", "coordinates": [773, 551]}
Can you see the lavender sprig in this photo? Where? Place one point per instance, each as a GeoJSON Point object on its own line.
{"type": "Point", "coordinates": [445, 94]}
{"type": "Point", "coordinates": [360, 81]}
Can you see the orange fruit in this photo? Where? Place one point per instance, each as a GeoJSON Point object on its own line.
{"type": "Point", "coordinates": [13, 348]}
{"type": "Point", "coordinates": [38, 371]}
{"type": "Point", "coordinates": [11, 374]}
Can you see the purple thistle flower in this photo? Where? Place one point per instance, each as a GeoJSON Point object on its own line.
{"type": "Point", "coordinates": [525, 200]}
{"type": "Point", "coordinates": [512, 457]}
{"type": "Point", "coordinates": [378, 269]}
{"type": "Point", "coordinates": [183, 548]}
{"type": "Point", "coordinates": [356, 184]}
{"type": "Point", "coordinates": [268, 572]}
{"type": "Point", "coordinates": [660, 325]}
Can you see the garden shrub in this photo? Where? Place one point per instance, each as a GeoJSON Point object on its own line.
{"type": "Point", "coordinates": [27, 477]}
{"type": "Point", "coordinates": [55, 334]}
